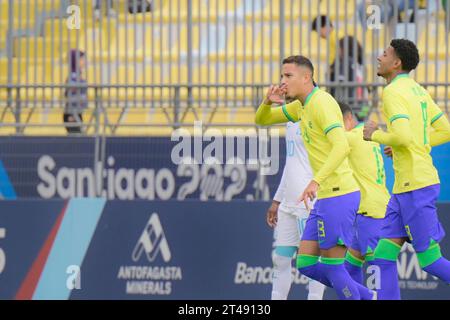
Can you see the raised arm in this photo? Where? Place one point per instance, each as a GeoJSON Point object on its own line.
{"type": "Point", "coordinates": [267, 115]}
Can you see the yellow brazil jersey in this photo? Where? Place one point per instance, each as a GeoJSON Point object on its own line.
{"type": "Point", "coordinates": [366, 161]}
{"type": "Point", "coordinates": [413, 165]}
{"type": "Point", "coordinates": [319, 115]}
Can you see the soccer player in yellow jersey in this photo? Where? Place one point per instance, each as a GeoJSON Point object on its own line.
{"type": "Point", "coordinates": [329, 228]}
{"type": "Point", "coordinates": [366, 160]}
{"type": "Point", "coordinates": [414, 125]}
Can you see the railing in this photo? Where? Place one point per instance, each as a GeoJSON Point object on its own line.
{"type": "Point", "coordinates": [208, 60]}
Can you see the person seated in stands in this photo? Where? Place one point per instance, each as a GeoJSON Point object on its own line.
{"type": "Point", "coordinates": [76, 98]}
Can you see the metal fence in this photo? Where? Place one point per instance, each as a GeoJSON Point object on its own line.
{"type": "Point", "coordinates": [151, 66]}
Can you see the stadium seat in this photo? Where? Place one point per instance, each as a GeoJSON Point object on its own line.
{"type": "Point", "coordinates": [24, 15]}
{"type": "Point", "coordinates": [161, 43]}
{"type": "Point", "coordinates": [371, 71]}
{"type": "Point", "coordinates": [153, 74]}
{"type": "Point", "coordinates": [231, 75]}
{"type": "Point", "coordinates": [170, 11]}
{"type": "Point", "coordinates": [260, 74]}
{"type": "Point", "coordinates": [124, 75]}
{"type": "Point", "coordinates": [4, 66]}
{"type": "Point", "coordinates": [210, 10]}
{"type": "Point", "coordinates": [338, 10]}
{"type": "Point", "coordinates": [443, 92]}
{"type": "Point", "coordinates": [147, 116]}
{"type": "Point", "coordinates": [294, 10]}
{"type": "Point", "coordinates": [179, 48]}
{"type": "Point", "coordinates": [239, 45]}
{"type": "Point", "coordinates": [243, 48]}
{"type": "Point", "coordinates": [39, 47]}
{"type": "Point", "coordinates": [3, 34]}
{"type": "Point", "coordinates": [426, 72]}
{"type": "Point", "coordinates": [124, 47]}
{"type": "Point", "coordinates": [375, 41]}
{"type": "Point", "coordinates": [226, 114]}
{"type": "Point", "coordinates": [298, 40]}
{"type": "Point", "coordinates": [433, 42]}
{"type": "Point", "coordinates": [57, 29]}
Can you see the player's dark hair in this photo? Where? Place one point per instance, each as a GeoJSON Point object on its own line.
{"type": "Point", "coordinates": [345, 108]}
{"type": "Point", "coordinates": [320, 22]}
{"type": "Point", "coordinates": [300, 61]}
{"type": "Point", "coordinates": [407, 52]}
{"type": "Point", "coordinates": [348, 44]}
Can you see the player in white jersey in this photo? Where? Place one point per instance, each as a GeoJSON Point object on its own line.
{"type": "Point", "coordinates": [289, 217]}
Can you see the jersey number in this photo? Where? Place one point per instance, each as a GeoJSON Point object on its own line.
{"type": "Point", "coordinates": [425, 120]}
{"type": "Point", "coordinates": [290, 148]}
{"type": "Point", "coordinates": [305, 135]}
{"type": "Point", "coordinates": [380, 168]}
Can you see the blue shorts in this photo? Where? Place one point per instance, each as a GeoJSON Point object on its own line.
{"type": "Point", "coordinates": [331, 221]}
{"type": "Point", "coordinates": [367, 234]}
{"type": "Point", "coordinates": [413, 215]}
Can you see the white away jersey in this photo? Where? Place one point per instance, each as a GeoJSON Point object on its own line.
{"type": "Point", "coordinates": [297, 172]}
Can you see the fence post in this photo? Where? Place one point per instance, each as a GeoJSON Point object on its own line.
{"type": "Point", "coordinates": [282, 21]}
{"type": "Point", "coordinates": [189, 56]}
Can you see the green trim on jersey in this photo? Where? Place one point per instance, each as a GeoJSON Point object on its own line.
{"type": "Point", "coordinates": [333, 126]}
{"type": "Point", "coordinates": [359, 125]}
{"type": "Point", "coordinates": [310, 95]}
{"type": "Point", "coordinates": [436, 117]}
{"type": "Point", "coordinates": [399, 76]}
{"type": "Point", "coordinates": [398, 116]}
{"type": "Point", "coordinates": [286, 113]}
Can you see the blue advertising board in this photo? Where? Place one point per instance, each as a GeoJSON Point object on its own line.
{"type": "Point", "coordinates": [143, 168]}
{"type": "Point", "coordinates": [99, 249]}
{"type": "Point", "coordinates": [133, 168]}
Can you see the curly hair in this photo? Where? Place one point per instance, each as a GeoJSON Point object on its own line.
{"type": "Point", "coordinates": [407, 52]}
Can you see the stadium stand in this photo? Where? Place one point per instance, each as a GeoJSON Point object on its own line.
{"type": "Point", "coordinates": [215, 61]}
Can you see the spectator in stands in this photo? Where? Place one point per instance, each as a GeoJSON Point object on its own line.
{"type": "Point", "coordinates": [345, 65]}
{"type": "Point", "coordinates": [349, 67]}
{"type": "Point", "coordinates": [76, 98]}
{"type": "Point", "coordinates": [98, 6]}
{"type": "Point", "coordinates": [139, 6]}
{"type": "Point", "coordinates": [323, 25]}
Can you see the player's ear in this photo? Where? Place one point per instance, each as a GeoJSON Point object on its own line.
{"type": "Point", "coordinates": [398, 63]}
{"type": "Point", "coordinates": [306, 76]}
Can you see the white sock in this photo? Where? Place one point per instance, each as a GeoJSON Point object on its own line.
{"type": "Point", "coordinates": [282, 277]}
{"type": "Point", "coordinates": [315, 290]}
